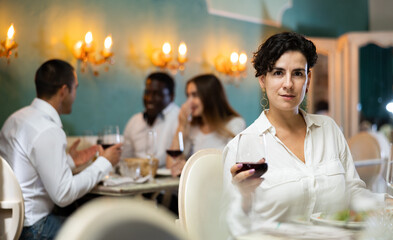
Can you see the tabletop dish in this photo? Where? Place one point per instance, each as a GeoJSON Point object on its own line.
{"type": "Point", "coordinates": [319, 219]}
{"type": "Point", "coordinates": [163, 172]}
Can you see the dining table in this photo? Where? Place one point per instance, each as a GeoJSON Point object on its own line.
{"type": "Point", "coordinates": [154, 185]}
{"type": "Point", "coordinates": [160, 184]}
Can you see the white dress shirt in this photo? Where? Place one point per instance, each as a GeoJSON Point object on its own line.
{"type": "Point", "coordinates": [200, 140]}
{"type": "Point", "coordinates": [34, 144]}
{"type": "Point", "coordinates": [135, 134]}
{"type": "Point", "coordinates": [324, 183]}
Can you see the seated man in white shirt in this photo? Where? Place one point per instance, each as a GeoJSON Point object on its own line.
{"type": "Point", "coordinates": [160, 116]}
{"type": "Point", "coordinates": [33, 142]}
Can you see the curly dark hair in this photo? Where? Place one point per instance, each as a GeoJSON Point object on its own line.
{"type": "Point", "coordinates": [275, 46]}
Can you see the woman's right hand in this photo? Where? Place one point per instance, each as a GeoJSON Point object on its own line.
{"type": "Point", "coordinates": [243, 180]}
{"type": "Point", "coordinates": [246, 184]}
{"type": "Point", "coordinates": [184, 114]}
{"type": "Point", "coordinates": [177, 167]}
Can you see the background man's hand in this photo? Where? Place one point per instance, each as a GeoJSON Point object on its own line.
{"type": "Point", "coordinates": [83, 156]}
{"type": "Point", "coordinates": [112, 153]}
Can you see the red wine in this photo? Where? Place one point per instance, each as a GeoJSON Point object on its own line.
{"type": "Point", "coordinates": [174, 153]}
{"type": "Point", "coordinates": [260, 168]}
{"type": "Point", "coordinates": [105, 146]}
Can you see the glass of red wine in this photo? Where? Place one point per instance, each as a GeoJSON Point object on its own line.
{"type": "Point", "coordinates": [109, 136]}
{"type": "Point", "coordinates": [251, 149]}
{"type": "Point", "coordinates": [177, 147]}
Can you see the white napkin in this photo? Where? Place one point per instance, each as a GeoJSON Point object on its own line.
{"type": "Point", "coordinates": [115, 180]}
{"type": "Point", "coordinates": [306, 231]}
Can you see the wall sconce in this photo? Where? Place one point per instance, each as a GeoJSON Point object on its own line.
{"type": "Point", "coordinates": [9, 44]}
{"type": "Point", "coordinates": [234, 66]}
{"type": "Point", "coordinates": [163, 57]}
{"type": "Point", "coordinates": [85, 52]}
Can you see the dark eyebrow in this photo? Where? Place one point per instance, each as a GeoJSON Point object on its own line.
{"type": "Point", "coordinates": [282, 69]}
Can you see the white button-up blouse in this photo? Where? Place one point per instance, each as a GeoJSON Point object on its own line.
{"type": "Point", "coordinates": [324, 183]}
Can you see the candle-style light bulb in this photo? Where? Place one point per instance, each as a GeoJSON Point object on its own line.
{"type": "Point", "coordinates": [242, 58]}
{"type": "Point", "coordinates": [107, 46]}
{"type": "Point", "coordinates": [182, 52]}
{"type": "Point", "coordinates": [78, 49]}
{"type": "Point", "coordinates": [166, 48]}
{"type": "Point", "coordinates": [11, 32]}
{"type": "Point", "coordinates": [182, 49]}
{"type": "Point", "coordinates": [242, 61]}
{"type": "Point", "coordinates": [234, 57]}
{"type": "Point", "coordinates": [88, 40]}
{"type": "Point", "coordinates": [10, 37]}
{"type": "Point", "coordinates": [108, 42]}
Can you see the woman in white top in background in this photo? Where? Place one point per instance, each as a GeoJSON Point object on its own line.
{"type": "Point", "coordinates": [310, 165]}
{"type": "Point", "coordinates": [206, 119]}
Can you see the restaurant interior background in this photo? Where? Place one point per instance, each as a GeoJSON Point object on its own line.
{"type": "Point", "coordinates": [50, 28]}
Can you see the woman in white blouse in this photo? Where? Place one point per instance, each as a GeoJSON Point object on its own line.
{"type": "Point", "coordinates": [310, 167]}
{"type": "Point", "coordinates": [206, 119]}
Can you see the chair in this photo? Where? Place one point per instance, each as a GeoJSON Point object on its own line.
{"type": "Point", "coordinates": [389, 173]}
{"type": "Point", "coordinates": [370, 152]}
{"type": "Point", "coordinates": [200, 190]}
{"type": "Point", "coordinates": [11, 203]}
{"type": "Point", "coordinates": [120, 218]}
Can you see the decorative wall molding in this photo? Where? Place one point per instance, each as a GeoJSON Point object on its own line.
{"type": "Point", "coordinates": [268, 12]}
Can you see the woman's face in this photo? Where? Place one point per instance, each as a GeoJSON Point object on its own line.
{"type": "Point", "coordinates": [287, 83]}
{"type": "Point", "coordinates": [193, 100]}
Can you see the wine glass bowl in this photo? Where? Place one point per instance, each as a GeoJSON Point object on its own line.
{"type": "Point", "coordinates": [151, 151]}
{"type": "Point", "coordinates": [151, 144]}
{"type": "Point", "coordinates": [251, 150]}
{"type": "Point", "coordinates": [260, 168]}
{"type": "Point", "coordinates": [109, 136]}
{"type": "Point", "coordinates": [177, 147]}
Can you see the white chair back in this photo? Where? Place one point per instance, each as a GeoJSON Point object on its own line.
{"type": "Point", "coordinates": [120, 218]}
{"type": "Point", "coordinates": [370, 152]}
{"type": "Point", "coordinates": [11, 203]}
{"type": "Point", "coordinates": [200, 192]}
{"type": "Point", "coordinates": [389, 173]}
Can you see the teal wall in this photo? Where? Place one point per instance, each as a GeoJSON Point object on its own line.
{"type": "Point", "coordinates": [48, 29]}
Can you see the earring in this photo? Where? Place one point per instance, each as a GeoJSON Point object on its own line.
{"type": "Point", "coordinates": [264, 102]}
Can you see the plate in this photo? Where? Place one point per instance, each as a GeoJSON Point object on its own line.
{"type": "Point", "coordinates": [316, 218]}
{"type": "Point", "coordinates": [164, 172]}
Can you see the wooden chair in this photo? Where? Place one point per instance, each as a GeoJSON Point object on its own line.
{"type": "Point", "coordinates": [12, 209]}
{"type": "Point", "coordinates": [200, 191]}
